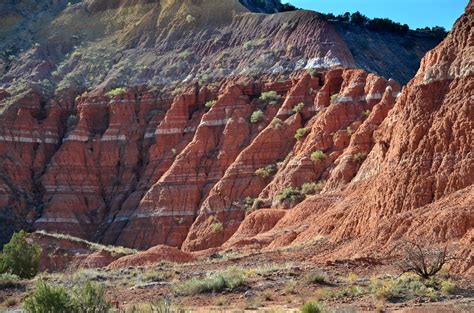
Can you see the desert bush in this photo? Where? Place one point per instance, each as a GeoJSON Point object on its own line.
{"type": "Point", "coordinates": [293, 195]}
{"type": "Point", "coordinates": [312, 72]}
{"type": "Point", "coordinates": [276, 123]}
{"type": "Point", "coordinates": [349, 131]}
{"type": "Point", "coordinates": [86, 298]}
{"type": "Point", "coordinates": [300, 133]}
{"type": "Point", "coordinates": [116, 92]}
{"type": "Point", "coordinates": [49, 299]}
{"type": "Point", "coordinates": [359, 157]}
{"type": "Point", "coordinates": [217, 227]}
{"type": "Point", "coordinates": [423, 260]}
{"type": "Point", "coordinates": [311, 307]}
{"type": "Point", "coordinates": [312, 188]}
{"type": "Point", "coordinates": [404, 287]}
{"type": "Point", "coordinates": [19, 257]}
{"type": "Point", "coordinates": [8, 280]}
{"type": "Point", "coordinates": [447, 287]}
{"type": "Point", "coordinates": [229, 279]}
{"type": "Point", "coordinates": [318, 155]}
{"type": "Point", "coordinates": [90, 298]}
{"type": "Point", "coordinates": [252, 204]}
{"type": "Point", "coordinates": [257, 116]}
{"type": "Point", "coordinates": [334, 98]}
{"type": "Point", "coordinates": [352, 278]}
{"type": "Point", "coordinates": [297, 108]}
{"type": "Point", "coordinates": [270, 96]}
{"type": "Point", "coordinates": [266, 172]}
{"type": "Point", "coordinates": [366, 113]}
{"type": "Point", "coordinates": [210, 104]}
{"type": "Point", "coordinates": [317, 277]}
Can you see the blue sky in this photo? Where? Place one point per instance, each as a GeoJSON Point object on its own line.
{"type": "Point", "coordinates": [415, 13]}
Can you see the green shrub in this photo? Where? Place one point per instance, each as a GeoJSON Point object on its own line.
{"type": "Point", "coordinates": [317, 277]}
{"type": "Point", "coordinates": [300, 133]}
{"type": "Point", "coordinates": [312, 72]}
{"type": "Point", "coordinates": [257, 116]}
{"type": "Point", "coordinates": [298, 107]}
{"type": "Point", "coordinates": [8, 280]}
{"type": "Point", "coordinates": [49, 299]}
{"type": "Point", "coordinates": [312, 188]}
{"type": "Point", "coordinates": [252, 204]}
{"type": "Point", "coordinates": [266, 172]}
{"type": "Point", "coordinates": [366, 113]}
{"type": "Point", "coordinates": [334, 98]}
{"type": "Point", "coordinates": [217, 282]}
{"type": "Point", "coordinates": [318, 155]}
{"type": "Point", "coordinates": [76, 54]}
{"type": "Point", "coordinates": [270, 96]}
{"type": "Point", "coordinates": [90, 298]}
{"type": "Point", "coordinates": [311, 307]}
{"type": "Point", "coordinates": [290, 194]}
{"type": "Point", "coordinates": [217, 227]}
{"type": "Point", "coordinates": [404, 287]}
{"type": "Point", "coordinates": [447, 287]}
{"type": "Point", "coordinates": [276, 123]}
{"type": "Point", "coordinates": [349, 131]}
{"type": "Point", "coordinates": [359, 157]}
{"type": "Point", "coordinates": [19, 257]}
{"type": "Point", "coordinates": [210, 104]}
{"type": "Point", "coordinates": [116, 92]}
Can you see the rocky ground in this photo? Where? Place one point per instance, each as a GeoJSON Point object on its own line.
{"type": "Point", "coordinates": [278, 281]}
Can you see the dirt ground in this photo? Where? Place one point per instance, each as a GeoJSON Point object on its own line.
{"type": "Point", "coordinates": [276, 281]}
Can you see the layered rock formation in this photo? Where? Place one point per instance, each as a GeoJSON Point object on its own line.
{"type": "Point", "coordinates": [417, 181]}
{"type": "Point", "coordinates": [186, 167]}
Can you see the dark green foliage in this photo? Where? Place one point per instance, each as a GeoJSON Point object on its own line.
{"type": "Point", "coordinates": [19, 257]}
{"type": "Point", "coordinates": [387, 25]}
{"type": "Point", "coordinates": [293, 195]}
{"type": "Point", "coordinates": [376, 24]}
{"type": "Point", "coordinates": [359, 19]}
{"type": "Point", "coordinates": [88, 298]}
{"type": "Point", "coordinates": [49, 299]}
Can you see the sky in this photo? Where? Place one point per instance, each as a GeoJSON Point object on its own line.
{"type": "Point", "coordinates": [415, 13]}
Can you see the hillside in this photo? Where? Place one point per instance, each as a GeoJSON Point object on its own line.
{"type": "Point", "coordinates": [235, 155]}
{"type": "Point", "coordinates": [88, 45]}
{"type": "Point", "coordinates": [149, 165]}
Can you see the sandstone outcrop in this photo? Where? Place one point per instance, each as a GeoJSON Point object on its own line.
{"type": "Point", "coordinates": [416, 182]}
{"type": "Point", "coordinates": [334, 152]}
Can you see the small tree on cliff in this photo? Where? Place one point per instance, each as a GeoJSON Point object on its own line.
{"type": "Point", "coordinates": [19, 257]}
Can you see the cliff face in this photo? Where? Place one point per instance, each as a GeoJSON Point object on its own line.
{"type": "Point", "coordinates": [342, 153]}
{"type": "Point", "coordinates": [417, 181]}
{"type": "Point", "coordinates": [142, 169]}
